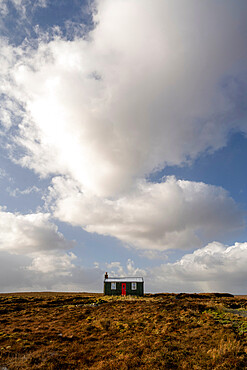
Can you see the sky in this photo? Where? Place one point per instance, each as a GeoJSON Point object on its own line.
{"type": "Point", "coordinates": [123, 144]}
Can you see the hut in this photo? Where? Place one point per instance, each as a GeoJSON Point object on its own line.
{"type": "Point", "coordinates": [123, 285]}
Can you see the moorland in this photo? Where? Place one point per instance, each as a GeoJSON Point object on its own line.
{"type": "Point", "coordinates": [92, 331]}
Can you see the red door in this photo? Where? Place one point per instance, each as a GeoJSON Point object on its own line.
{"type": "Point", "coordinates": [123, 288]}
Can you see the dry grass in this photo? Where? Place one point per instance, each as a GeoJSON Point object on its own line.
{"type": "Point", "coordinates": [90, 331]}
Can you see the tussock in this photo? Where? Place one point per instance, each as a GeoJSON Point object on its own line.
{"type": "Point", "coordinates": [91, 331]}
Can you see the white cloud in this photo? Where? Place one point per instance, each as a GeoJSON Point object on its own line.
{"type": "Point", "coordinates": [53, 263]}
{"type": "Point", "coordinates": [154, 84]}
{"type": "Point", "coordinates": [214, 268]}
{"type": "Point", "coordinates": [117, 269]}
{"type": "Point", "coordinates": [41, 3]}
{"type": "Point", "coordinates": [23, 273]}
{"type": "Point", "coordinates": [3, 174]}
{"type": "Point", "coordinates": [34, 254]}
{"type": "Point", "coordinates": [16, 192]}
{"type": "Point", "coordinates": [22, 5]}
{"type": "Point", "coordinates": [174, 214]}
{"type": "Point", "coordinates": [30, 233]}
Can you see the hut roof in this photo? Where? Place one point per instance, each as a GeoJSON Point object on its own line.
{"type": "Point", "coordinates": [124, 279]}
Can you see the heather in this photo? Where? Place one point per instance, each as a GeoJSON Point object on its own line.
{"type": "Point", "coordinates": [92, 331]}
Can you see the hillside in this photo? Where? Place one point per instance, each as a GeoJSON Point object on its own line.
{"type": "Point", "coordinates": [91, 331]}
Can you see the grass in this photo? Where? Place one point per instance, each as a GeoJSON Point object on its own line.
{"type": "Point", "coordinates": [91, 331]}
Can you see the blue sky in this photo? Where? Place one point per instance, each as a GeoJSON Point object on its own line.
{"type": "Point", "coordinates": [123, 144]}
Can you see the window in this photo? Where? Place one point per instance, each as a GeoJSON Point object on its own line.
{"type": "Point", "coordinates": [113, 286]}
{"type": "Point", "coordinates": [133, 286]}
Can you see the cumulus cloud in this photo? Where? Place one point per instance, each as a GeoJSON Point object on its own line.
{"type": "Point", "coordinates": [117, 269]}
{"type": "Point", "coordinates": [214, 268]}
{"type": "Point", "coordinates": [34, 255]}
{"type": "Point", "coordinates": [53, 263]}
{"type": "Point", "coordinates": [22, 273]}
{"type": "Point", "coordinates": [174, 214]}
{"type": "Point", "coordinates": [34, 240]}
{"type": "Point", "coordinates": [30, 233]}
{"type": "Point", "coordinates": [154, 83]}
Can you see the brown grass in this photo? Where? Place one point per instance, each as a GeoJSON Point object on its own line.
{"type": "Point", "coordinates": [90, 331]}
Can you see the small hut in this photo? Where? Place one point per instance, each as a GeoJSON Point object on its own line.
{"type": "Point", "coordinates": [123, 285]}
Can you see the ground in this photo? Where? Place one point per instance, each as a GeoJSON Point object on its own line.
{"type": "Point", "coordinates": [92, 331]}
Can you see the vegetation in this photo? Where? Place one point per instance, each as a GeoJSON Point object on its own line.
{"type": "Point", "coordinates": [91, 331]}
